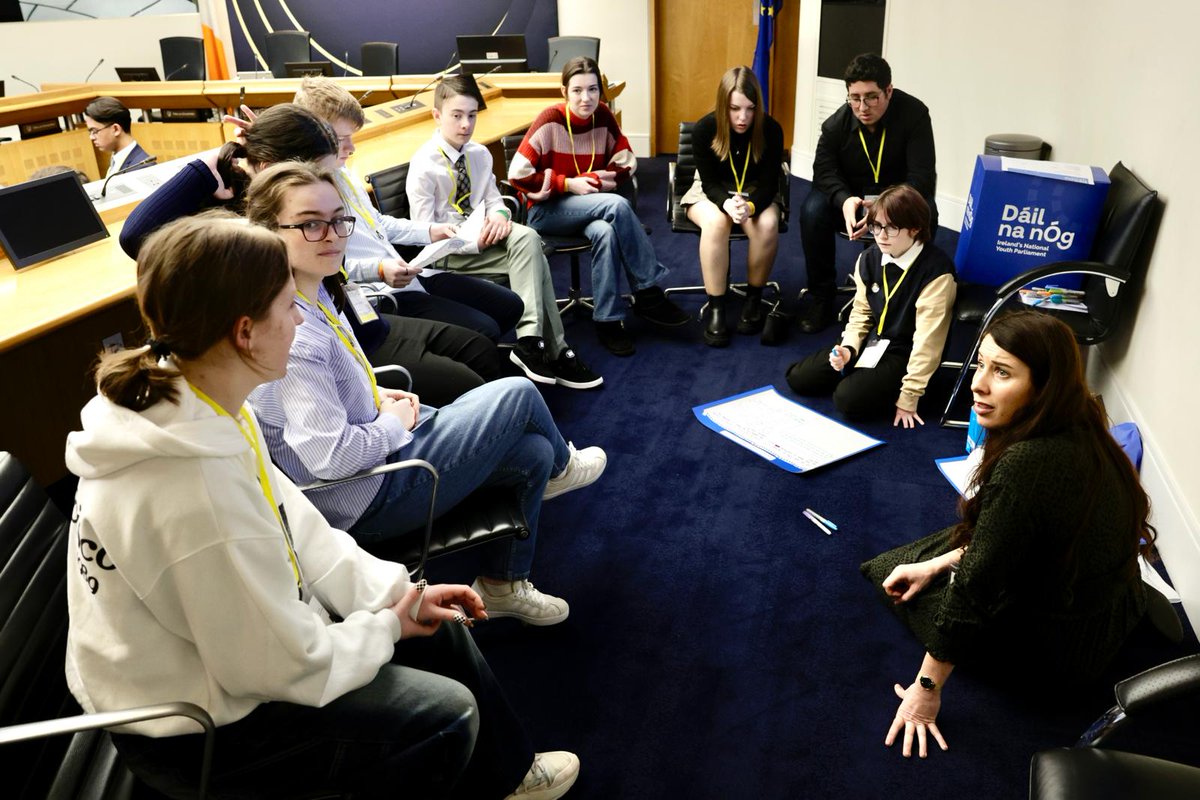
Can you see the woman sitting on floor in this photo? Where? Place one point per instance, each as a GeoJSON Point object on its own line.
{"type": "Point", "coordinates": [739, 150]}
{"type": "Point", "coordinates": [200, 573]}
{"type": "Point", "coordinates": [328, 419]}
{"type": "Point", "coordinates": [1042, 570]}
{"type": "Point", "coordinates": [903, 299]}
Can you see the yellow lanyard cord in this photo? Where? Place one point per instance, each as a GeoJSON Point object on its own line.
{"type": "Point", "coordinates": [350, 198]}
{"type": "Point", "coordinates": [457, 199]}
{"type": "Point", "coordinates": [571, 137]}
{"type": "Point", "coordinates": [887, 295]}
{"type": "Point", "coordinates": [878, 163]}
{"type": "Point", "coordinates": [738, 183]}
{"type": "Point", "coordinates": [336, 324]}
{"type": "Point", "coordinates": [246, 426]}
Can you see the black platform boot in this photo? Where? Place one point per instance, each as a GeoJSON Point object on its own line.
{"type": "Point", "coordinates": [716, 332]}
{"type": "Point", "coordinates": [752, 311]}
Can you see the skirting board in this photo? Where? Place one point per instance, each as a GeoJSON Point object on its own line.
{"type": "Point", "coordinates": [1176, 522]}
{"type": "Point", "coordinates": [950, 209]}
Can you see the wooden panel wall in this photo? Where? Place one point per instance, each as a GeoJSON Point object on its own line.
{"type": "Point", "coordinates": [171, 140]}
{"type": "Point", "coordinates": [695, 42]}
{"type": "Point", "coordinates": [18, 160]}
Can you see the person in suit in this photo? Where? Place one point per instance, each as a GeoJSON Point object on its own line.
{"type": "Point", "coordinates": [108, 124]}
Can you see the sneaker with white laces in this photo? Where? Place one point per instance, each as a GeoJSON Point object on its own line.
{"type": "Point", "coordinates": [551, 776]}
{"type": "Point", "coordinates": [570, 371]}
{"type": "Point", "coordinates": [519, 600]}
{"type": "Point", "coordinates": [583, 468]}
{"type": "Point", "coordinates": [530, 355]}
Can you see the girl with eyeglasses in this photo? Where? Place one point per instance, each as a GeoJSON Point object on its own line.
{"type": "Point", "coordinates": [328, 418]}
{"type": "Point", "coordinates": [739, 152]}
{"type": "Point", "coordinates": [200, 573]}
{"type": "Point", "coordinates": [903, 300]}
{"type": "Point", "coordinates": [446, 360]}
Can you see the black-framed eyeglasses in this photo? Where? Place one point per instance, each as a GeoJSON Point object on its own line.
{"type": "Point", "coordinates": [875, 229]}
{"type": "Point", "coordinates": [868, 99]}
{"type": "Point", "coordinates": [315, 230]}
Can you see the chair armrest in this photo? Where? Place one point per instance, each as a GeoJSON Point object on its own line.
{"type": "Point", "coordinates": [395, 369]}
{"type": "Point", "coordinates": [1160, 684]}
{"type": "Point", "coordinates": [670, 190]}
{"type": "Point", "coordinates": [384, 296]}
{"type": "Point", "coordinates": [511, 197]}
{"type": "Point", "coordinates": [1062, 268]}
{"type": "Point", "coordinates": [383, 469]}
{"type": "Point", "coordinates": [109, 719]}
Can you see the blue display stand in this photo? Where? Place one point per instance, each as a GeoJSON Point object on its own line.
{"type": "Point", "coordinates": [1018, 218]}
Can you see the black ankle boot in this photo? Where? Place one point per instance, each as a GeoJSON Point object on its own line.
{"type": "Point", "coordinates": [752, 313]}
{"type": "Point", "coordinates": [716, 332]}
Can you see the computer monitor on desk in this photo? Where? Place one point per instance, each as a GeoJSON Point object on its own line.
{"type": "Point", "coordinates": [308, 69]}
{"type": "Point", "coordinates": [483, 54]}
{"type": "Point", "coordinates": [47, 217]}
{"type": "Point", "coordinates": [129, 74]}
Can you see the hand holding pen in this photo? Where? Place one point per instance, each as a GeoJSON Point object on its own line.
{"type": "Point", "coordinates": [839, 357]}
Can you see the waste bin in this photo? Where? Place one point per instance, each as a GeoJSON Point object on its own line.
{"type": "Point", "coordinates": [1016, 145]}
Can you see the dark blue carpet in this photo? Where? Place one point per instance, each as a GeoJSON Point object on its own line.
{"type": "Point", "coordinates": [719, 646]}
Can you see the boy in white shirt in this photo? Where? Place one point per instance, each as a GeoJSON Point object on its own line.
{"type": "Point", "coordinates": [449, 176]}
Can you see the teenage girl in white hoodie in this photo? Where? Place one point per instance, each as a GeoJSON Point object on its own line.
{"type": "Point", "coordinates": [198, 572]}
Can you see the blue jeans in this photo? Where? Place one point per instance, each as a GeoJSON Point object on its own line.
{"type": "Point", "coordinates": [500, 434]}
{"type": "Point", "coordinates": [433, 723]}
{"type": "Point", "coordinates": [619, 244]}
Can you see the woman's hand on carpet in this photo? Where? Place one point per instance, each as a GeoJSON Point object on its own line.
{"type": "Point", "coordinates": [917, 714]}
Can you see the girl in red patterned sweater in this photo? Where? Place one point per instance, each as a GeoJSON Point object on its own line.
{"type": "Point", "coordinates": [575, 169]}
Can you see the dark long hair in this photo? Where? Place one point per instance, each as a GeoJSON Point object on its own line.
{"type": "Point", "coordinates": [285, 132]}
{"type": "Point", "coordinates": [1060, 401]}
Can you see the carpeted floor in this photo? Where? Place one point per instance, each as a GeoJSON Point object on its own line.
{"type": "Point", "coordinates": [719, 646]}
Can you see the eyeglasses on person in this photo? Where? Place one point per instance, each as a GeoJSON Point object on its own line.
{"type": "Point", "coordinates": [875, 229]}
{"type": "Point", "coordinates": [869, 99]}
{"type": "Point", "coordinates": [315, 230]}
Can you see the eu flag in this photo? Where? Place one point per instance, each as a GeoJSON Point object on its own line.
{"type": "Point", "coordinates": [768, 11]}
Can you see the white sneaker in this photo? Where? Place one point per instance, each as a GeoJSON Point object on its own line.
{"type": "Point", "coordinates": [583, 468]}
{"type": "Point", "coordinates": [551, 776]}
{"type": "Point", "coordinates": [520, 600]}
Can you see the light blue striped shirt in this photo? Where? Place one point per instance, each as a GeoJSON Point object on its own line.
{"type": "Point", "coordinates": [320, 421]}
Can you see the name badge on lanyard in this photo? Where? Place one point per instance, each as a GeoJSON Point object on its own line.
{"type": "Point", "coordinates": [359, 305]}
{"type": "Point", "coordinates": [874, 351]}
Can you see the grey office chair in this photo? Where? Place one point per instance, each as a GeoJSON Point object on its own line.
{"type": "Point", "coordinates": [284, 46]}
{"type": "Point", "coordinates": [380, 58]}
{"type": "Point", "coordinates": [563, 48]}
{"type": "Point", "coordinates": [183, 58]}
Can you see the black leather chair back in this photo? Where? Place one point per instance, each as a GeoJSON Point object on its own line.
{"type": "Point", "coordinates": [380, 58]}
{"type": "Point", "coordinates": [387, 186]}
{"type": "Point", "coordinates": [284, 46]}
{"type": "Point", "coordinates": [563, 48]}
{"type": "Point", "coordinates": [183, 58]}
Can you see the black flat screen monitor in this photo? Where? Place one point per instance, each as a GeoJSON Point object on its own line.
{"type": "Point", "coordinates": [308, 69]}
{"type": "Point", "coordinates": [47, 217]}
{"type": "Point", "coordinates": [483, 54]}
{"type": "Point", "coordinates": [130, 74]}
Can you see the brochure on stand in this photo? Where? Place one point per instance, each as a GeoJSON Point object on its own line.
{"type": "Point", "coordinates": [789, 435]}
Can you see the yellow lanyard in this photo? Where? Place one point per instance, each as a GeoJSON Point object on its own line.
{"type": "Point", "coordinates": [738, 183]}
{"type": "Point", "coordinates": [456, 200]}
{"type": "Point", "coordinates": [887, 294]}
{"type": "Point", "coordinates": [336, 324]}
{"type": "Point", "coordinates": [571, 137]}
{"type": "Point", "coordinates": [878, 163]}
{"type": "Point", "coordinates": [246, 426]}
{"type": "Point", "coordinates": [350, 198]}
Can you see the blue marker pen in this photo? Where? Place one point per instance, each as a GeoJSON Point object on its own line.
{"type": "Point", "coordinates": [833, 352]}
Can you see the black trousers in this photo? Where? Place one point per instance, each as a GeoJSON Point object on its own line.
{"type": "Point", "coordinates": [860, 393]}
{"type": "Point", "coordinates": [445, 361]}
{"type": "Point", "coordinates": [473, 303]}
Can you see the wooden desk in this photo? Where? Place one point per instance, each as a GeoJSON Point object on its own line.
{"type": "Point", "coordinates": [54, 315]}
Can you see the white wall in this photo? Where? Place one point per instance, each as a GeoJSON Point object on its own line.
{"type": "Point", "coordinates": [1102, 81]}
{"type": "Point", "coordinates": [623, 27]}
{"type": "Point", "coordinates": [65, 52]}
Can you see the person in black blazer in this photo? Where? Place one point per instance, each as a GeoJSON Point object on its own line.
{"type": "Point", "coordinates": [108, 123]}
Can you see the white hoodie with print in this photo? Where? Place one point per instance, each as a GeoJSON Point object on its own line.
{"type": "Point", "coordinates": [180, 586]}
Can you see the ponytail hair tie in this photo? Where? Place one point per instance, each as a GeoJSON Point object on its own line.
{"type": "Point", "coordinates": [158, 347]}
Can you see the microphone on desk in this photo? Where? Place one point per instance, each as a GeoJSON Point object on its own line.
{"type": "Point", "coordinates": [365, 95]}
{"type": "Point", "coordinates": [144, 162]}
{"type": "Point", "coordinates": [413, 100]}
{"type": "Point", "coordinates": [176, 71]}
{"type": "Point", "coordinates": [27, 83]}
{"type": "Point", "coordinates": [93, 72]}
{"type": "Point", "coordinates": [345, 63]}
{"type": "Point", "coordinates": [241, 98]}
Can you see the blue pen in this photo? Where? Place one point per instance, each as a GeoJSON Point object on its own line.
{"type": "Point", "coordinates": [822, 519]}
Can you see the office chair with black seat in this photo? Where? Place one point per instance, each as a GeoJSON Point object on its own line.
{"type": "Point", "coordinates": [183, 58]}
{"type": "Point", "coordinates": [390, 197]}
{"type": "Point", "coordinates": [380, 58]}
{"type": "Point", "coordinates": [1163, 698]}
{"type": "Point", "coordinates": [284, 46]}
{"type": "Point", "coordinates": [563, 48]}
{"type": "Point", "coordinates": [680, 175]}
{"type": "Point", "coordinates": [1118, 250]}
